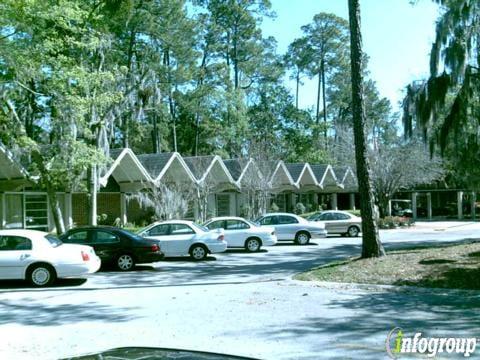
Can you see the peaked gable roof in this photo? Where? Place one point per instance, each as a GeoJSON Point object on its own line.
{"type": "Point", "coordinates": [126, 167]}
{"type": "Point", "coordinates": [295, 170]}
{"type": "Point", "coordinates": [319, 171]}
{"type": "Point", "coordinates": [237, 167]}
{"type": "Point", "coordinates": [155, 163]}
{"type": "Point", "coordinates": [322, 173]}
{"type": "Point", "coordinates": [199, 165]}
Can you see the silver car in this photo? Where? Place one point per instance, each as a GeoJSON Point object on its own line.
{"type": "Point", "coordinates": [292, 227]}
{"type": "Point", "coordinates": [339, 222]}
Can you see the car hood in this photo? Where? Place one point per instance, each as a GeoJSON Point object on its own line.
{"type": "Point", "coordinates": [135, 353]}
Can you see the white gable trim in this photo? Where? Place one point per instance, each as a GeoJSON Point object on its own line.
{"type": "Point", "coordinates": [118, 160]}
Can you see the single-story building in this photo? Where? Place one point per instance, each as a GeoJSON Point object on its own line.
{"type": "Point", "coordinates": [229, 185]}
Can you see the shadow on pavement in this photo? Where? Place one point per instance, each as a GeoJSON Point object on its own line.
{"type": "Point", "coordinates": [291, 243]}
{"type": "Point", "coordinates": [358, 319]}
{"type": "Point", "coordinates": [29, 311]}
{"type": "Point", "coordinates": [21, 284]}
{"type": "Point", "coordinates": [243, 251]}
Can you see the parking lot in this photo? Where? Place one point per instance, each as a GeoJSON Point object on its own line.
{"type": "Point", "coordinates": [237, 302]}
{"type": "Point", "coordinates": [238, 266]}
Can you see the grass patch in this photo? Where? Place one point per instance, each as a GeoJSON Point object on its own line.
{"type": "Point", "coordinates": [453, 267]}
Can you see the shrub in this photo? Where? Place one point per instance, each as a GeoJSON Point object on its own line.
{"type": "Point", "coordinates": [392, 222]}
{"type": "Point", "coordinates": [102, 219]}
{"type": "Point", "coordinates": [300, 209]}
{"type": "Point", "coordinates": [274, 207]}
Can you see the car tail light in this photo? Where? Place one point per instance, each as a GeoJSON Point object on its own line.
{"type": "Point", "coordinates": [155, 248]}
{"type": "Point", "coordinates": [221, 237]}
{"type": "Point", "coordinates": [85, 256]}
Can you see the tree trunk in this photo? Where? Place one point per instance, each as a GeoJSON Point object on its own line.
{"type": "Point", "coordinates": [92, 195]}
{"type": "Point", "coordinates": [155, 137]}
{"type": "Point", "coordinates": [317, 116]}
{"type": "Point", "coordinates": [171, 104]}
{"type": "Point", "coordinates": [371, 245]}
{"type": "Point", "coordinates": [197, 133]}
{"type": "Point", "coordinates": [235, 57]}
{"type": "Point", "coordinates": [298, 86]}
{"type": "Point", "coordinates": [126, 124]}
{"type": "Point", "coordinates": [125, 139]}
{"type": "Point", "coordinates": [322, 71]}
{"type": "Point", "coordinates": [56, 210]}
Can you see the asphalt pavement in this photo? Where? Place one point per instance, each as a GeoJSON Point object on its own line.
{"type": "Point", "coordinates": [236, 303]}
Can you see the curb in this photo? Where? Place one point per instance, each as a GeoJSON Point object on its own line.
{"type": "Point", "coordinates": [386, 288]}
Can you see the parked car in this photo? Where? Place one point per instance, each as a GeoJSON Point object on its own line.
{"type": "Point", "coordinates": [41, 258]}
{"type": "Point", "coordinates": [185, 238]}
{"type": "Point", "coordinates": [339, 222]}
{"type": "Point", "coordinates": [290, 227]}
{"type": "Point", "coordinates": [116, 246]}
{"type": "Point", "coordinates": [241, 233]}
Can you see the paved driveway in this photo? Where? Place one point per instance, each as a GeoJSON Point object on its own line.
{"type": "Point", "coordinates": [235, 303]}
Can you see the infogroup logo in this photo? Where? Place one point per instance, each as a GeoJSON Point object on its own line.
{"type": "Point", "coordinates": [397, 343]}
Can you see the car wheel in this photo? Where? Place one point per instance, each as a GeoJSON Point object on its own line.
{"type": "Point", "coordinates": [252, 245]}
{"type": "Point", "coordinates": [353, 231]}
{"type": "Point", "coordinates": [198, 252]}
{"type": "Point", "coordinates": [302, 238]}
{"type": "Point", "coordinates": [41, 275]}
{"type": "Point", "coordinates": [125, 262]}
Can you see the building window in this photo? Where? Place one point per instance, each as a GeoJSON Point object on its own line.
{"type": "Point", "coordinates": [14, 211]}
{"type": "Point", "coordinates": [36, 212]}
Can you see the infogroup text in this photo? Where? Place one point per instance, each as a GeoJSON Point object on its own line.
{"type": "Point", "coordinates": [397, 343]}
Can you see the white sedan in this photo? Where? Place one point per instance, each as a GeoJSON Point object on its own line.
{"type": "Point", "coordinates": [293, 227]}
{"type": "Point", "coordinates": [183, 238]}
{"type": "Point", "coordinates": [40, 258]}
{"type": "Point", "coordinates": [241, 233]}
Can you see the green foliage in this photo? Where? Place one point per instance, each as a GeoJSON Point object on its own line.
{"type": "Point", "coordinates": [445, 107]}
{"type": "Point", "coordinates": [300, 208]}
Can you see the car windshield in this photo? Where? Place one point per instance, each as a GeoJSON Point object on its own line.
{"type": "Point", "coordinates": [138, 232]}
{"type": "Point", "coordinates": [314, 216]}
{"type": "Point", "coordinates": [53, 240]}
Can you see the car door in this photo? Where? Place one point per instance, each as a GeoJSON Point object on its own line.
{"type": "Point", "coordinates": [287, 227]}
{"type": "Point", "coordinates": [272, 221]}
{"type": "Point", "coordinates": [107, 245]}
{"type": "Point", "coordinates": [236, 232]}
{"type": "Point", "coordinates": [343, 222]}
{"type": "Point", "coordinates": [181, 236]}
{"type": "Point", "coordinates": [79, 236]}
{"type": "Point", "coordinates": [15, 255]}
{"type": "Point", "coordinates": [161, 233]}
{"type": "Point", "coordinates": [328, 220]}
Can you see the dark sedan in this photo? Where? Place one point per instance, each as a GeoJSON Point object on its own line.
{"type": "Point", "coordinates": [116, 246]}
